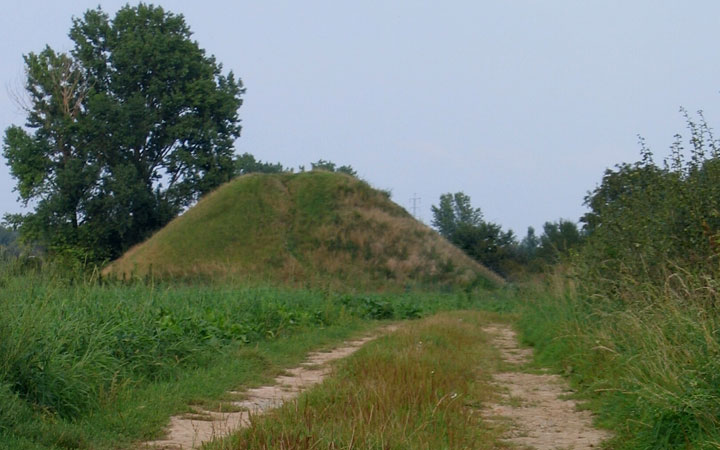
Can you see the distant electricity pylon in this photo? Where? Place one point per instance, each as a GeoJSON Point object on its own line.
{"type": "Point", "coordinates": [415, 201]}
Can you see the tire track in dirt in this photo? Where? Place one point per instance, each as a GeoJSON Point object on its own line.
{"type": "Point", "coordinates": [540, 414]}
{"type": "Point", "coordinates": [188, 431]}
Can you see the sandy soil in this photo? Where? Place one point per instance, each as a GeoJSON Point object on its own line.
{"type": "Point", "coordinates": [192, 430]}
{"type": "Point", "coordinates": [540, 415]}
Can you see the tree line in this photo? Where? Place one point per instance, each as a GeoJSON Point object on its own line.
{"type": "Point", "coordinates": [136, 122]}
{"type": "Point", "coordinates": [647, 223]}
{"type": "Point", "coordinates": [463, 225]}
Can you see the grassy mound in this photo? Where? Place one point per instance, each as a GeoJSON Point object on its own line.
{"type": "Point", "coordinates": [312, 228]}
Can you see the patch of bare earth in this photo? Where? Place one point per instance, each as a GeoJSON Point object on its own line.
{"type": "Point", "coordinates": [189, 431]}
{"type": "Point", "coordinates": [536, 406]}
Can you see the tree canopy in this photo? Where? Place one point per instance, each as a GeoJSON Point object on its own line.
{"type": "Point", "coordinates": [330, 166]}
{"type": "Point", "coordinates": [247, 163]}
{"type": "Point", "coordinates": [454, 211]}
{"type": "Point", "coordinates": [125, 131]}
{"type": "Point", "coordinates": [647, 221]}
{"type": "Point", "coordinates": [459, 222]}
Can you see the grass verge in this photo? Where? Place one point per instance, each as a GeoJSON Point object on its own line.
{"type": "Point", "coordinates": [141, 411]}
{"type": "Point", "coordinates": [103, 366]}
{"type": "Point", "coordinates": [418, 388]}
{"type": "Point", "coordinates": [650, 370]}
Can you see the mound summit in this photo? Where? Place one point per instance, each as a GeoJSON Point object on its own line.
{"type": "Point", "coordinates": [310, 228]}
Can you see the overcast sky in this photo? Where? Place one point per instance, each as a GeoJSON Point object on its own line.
{"type": "Point", "coordinates": [520, 104]}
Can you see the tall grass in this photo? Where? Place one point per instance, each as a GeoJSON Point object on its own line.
{"type": "Point", "coordinates": [70, 351]}
{"type": "Point", "coordinates": [651, 368]}
{"type": "Point", "coordinates": [638, 328]}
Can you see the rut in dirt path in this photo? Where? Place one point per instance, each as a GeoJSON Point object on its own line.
{"type": "Point", "coordinates": [540, 415]}
{"type": "Point", "coordinates": [190, 431]}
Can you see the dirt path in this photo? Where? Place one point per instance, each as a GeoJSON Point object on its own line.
{"type": "Point", "coordinates": [189, 431]}
{"type": "Point", "coordinates": [536, 405]}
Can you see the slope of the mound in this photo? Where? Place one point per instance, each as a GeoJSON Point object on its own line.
{"type": "Point", "coordinates": [312, 228]}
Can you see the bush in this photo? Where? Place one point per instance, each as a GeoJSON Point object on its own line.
{"type": "Point", "coordinates": [648, 222]}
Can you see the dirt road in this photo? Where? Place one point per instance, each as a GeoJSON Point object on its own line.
{"type": "Point", "coordinates": [189, 431]}
{"type": "Point", "coordinates": [536, 406]}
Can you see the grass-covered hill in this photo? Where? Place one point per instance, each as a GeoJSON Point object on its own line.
{"type": "Point", "coordinates": [313, 228]}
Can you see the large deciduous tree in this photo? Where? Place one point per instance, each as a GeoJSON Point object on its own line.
{"type": "Point", "coordinates": [122, 133]}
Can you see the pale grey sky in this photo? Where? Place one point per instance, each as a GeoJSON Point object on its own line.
{"type": "Point", "coordinates": [520, 104]}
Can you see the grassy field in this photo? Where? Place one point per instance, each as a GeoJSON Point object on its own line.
{"type": "Point", "coordinates": [105, 363]}
{"type": "Point", "coordinates": [103, 366]}
{"type": "Point", "coordinates": [419, 388]}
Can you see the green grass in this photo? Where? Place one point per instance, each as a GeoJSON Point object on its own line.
{"type": "Point", "coordinates": [103, 366]}
{"type": "Point", "coordinates": [141, 410]}
{"type": "Point", "coordinates": [420, 387]}
{"type": "Point", "coordinates": [651, 371]}
{"type": "Point", "coordinates": [317, 229]}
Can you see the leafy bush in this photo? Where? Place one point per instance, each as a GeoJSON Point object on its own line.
{"type": "Point", "coordinates": [648, 221]}
{"type": "Point", "coordinates": [636, 329]}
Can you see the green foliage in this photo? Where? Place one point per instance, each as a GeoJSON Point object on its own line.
{"type": "Point", "coordinates": [647, 222]}
{"type": "Point", "coordinates": [70, 352]}
{"type": "Point", "coordinates": [651, 372]}
{"type": "Point", "coordinates": [557, 240]}
{"type": "Point", "coordinates": [8, 243]}
{"type": "Point", "coordinates": [635, 324]}
{"type": "Point", "coordinates": [61, 348]}
{"type": "Point", "coordinates": [246, 163]}
{"type": "Point", "coordinates": [453, 212]}
{"type": "Point", "coordinates": [330, 166]}
{"type": "Point", "coordinates": [460, 223]}
{"type": "Point", "coordinates": [529, 245]}
{"type": "Point", "coordinates": [123, 133]}
{"type": "Point", "coordinates": [379, 308]}
{"type": "Point", "coordinates": [486, 243]}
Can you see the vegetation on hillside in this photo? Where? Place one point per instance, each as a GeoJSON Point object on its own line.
{"type": "Point", "coordinates": [247, 163]}
{"type": "Point", "coordinates": [330, 166]}
{"type": "Point", "coordinates": [312, 228]}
